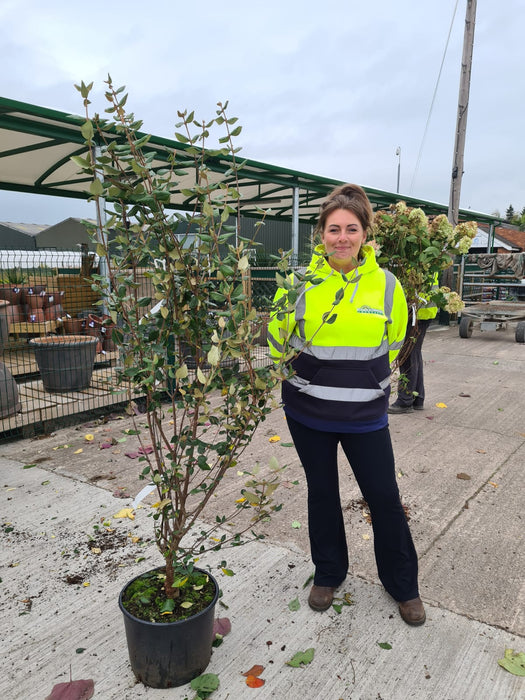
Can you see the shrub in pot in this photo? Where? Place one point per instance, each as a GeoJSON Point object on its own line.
{"type": "Point", "coordinates": [200, 418]}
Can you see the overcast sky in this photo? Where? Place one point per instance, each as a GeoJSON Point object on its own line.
{"type": "Point", "coordinates": [330, 87]}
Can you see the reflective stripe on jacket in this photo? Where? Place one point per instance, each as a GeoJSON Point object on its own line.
{"type": "Point", "coordinates": [341, 374]}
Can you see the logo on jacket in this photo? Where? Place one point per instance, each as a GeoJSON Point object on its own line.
{"type": "Point", "coordinates": [370, 310]}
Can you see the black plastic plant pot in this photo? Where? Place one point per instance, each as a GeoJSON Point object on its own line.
{"type": "Point", "coordinates": [65, 362]}
{"type": "Point", "coordinates": [170, 654]}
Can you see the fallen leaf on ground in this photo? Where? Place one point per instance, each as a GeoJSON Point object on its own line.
{"type": "Point", "coordinates": [462, 475]}
{"type": "Point", "coordinates": [131, 455]}
{"type": "Point", "coordinates": [493, 483]}
{"type": "Point", "coordinates": [125, 513]}
{"type": "Point", "coordinates": [106, 445]}
{"type": "Point", "coordinates": [77, 452]}
{"type": "Point", "coordinates": [74, 690]}
{"type": "Point", "coordinates": [275, 438]}
{"type": "Point", "coordinates": [296, 525]}
{"type": "Point", "coordinates": [384, 645]}
{"type": "Point", "coordinates": [464, 396]}
{"type": "Point", "coordinates": [254, 671]}
{"type": "Point", "coordinates": [301, 658]}
{"type": "Point", "coordinates": [254, 682]}
{"type": "Point", "coordinates": [441, 405]}
{"type": "Point", "coordinates": [89, 437]}
{"type": "Point", "coordinates": [294, 605]}
{"type": "Point", "coordinates": [222, 626]}
{"type": "Point", "coordinates": [514, 662]}
{"type": "Point", "coordinates": [429, 417]}
{"type": "Point", "coordinates": [482, 452]}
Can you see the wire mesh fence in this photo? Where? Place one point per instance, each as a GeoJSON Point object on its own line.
{"type": "Point", "coordinates": [57, 357]}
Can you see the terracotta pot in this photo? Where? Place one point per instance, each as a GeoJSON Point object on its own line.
{"type": "Point", "coordinates": [15, 313]}
{"type": "Point", "coordinates": [11, 294]}
{"type": "Point", "coordinates": [36, 316]}
{"type": "Point", "coordinates": [54, 299]}
{"type": "Point", "coordinates": [73, 326]}
{"type": "Point", "coordinates": [52, 313]}
{"type": "Point", "coordinates": [36, 301]}
{"type": "Point", "coordinates": [31, 291]}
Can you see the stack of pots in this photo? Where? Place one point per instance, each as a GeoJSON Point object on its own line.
{"type": "Point", "coordinates": [32, 304]}
{"type": "Point", "coordinates": [41, 306]}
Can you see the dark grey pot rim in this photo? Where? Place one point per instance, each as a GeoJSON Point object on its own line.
{"type": "Point", "coordinates": [168, 622]}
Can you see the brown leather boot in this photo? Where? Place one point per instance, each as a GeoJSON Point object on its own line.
{"type": "Point", "coordinates": [321, 597]}
{"type": "Point", "coordinates": [413, 612]}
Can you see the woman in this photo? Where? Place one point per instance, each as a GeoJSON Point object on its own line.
{"type": "Point", "coordinates": [338, 393]}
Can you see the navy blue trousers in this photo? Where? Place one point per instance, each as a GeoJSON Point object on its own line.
{"type": "Point", "coordinates": [372, 460]}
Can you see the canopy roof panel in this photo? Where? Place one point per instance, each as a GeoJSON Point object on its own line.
{"type": "Point", "coordinates": [36, 145]}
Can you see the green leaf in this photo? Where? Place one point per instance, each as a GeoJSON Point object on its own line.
{"type": "Point", "coordinates": [29, 466]}
{"type": "Point", "coordinates": [384, 645]}
{"type": "Point", "coordinates": [514, 662]}
{"type": "Point", "coordinates": [296, 525]}
{"type": "Point", "coordinates": [294, 605]}
{"type": "Point", "coordinates": [206, 683]}
{"type": "Point", "coordinates": [96, 188]}
{"type": "Point", "coordinates": [301, 658]}
{"type": "Point", "coordinates": [87, 130]}
{"type": "Point", "coordinates": [227, 572]}
{"type": "Point", "coordinates": [168, 606]}
{"type": "Point", "coordinates": [286, 444]}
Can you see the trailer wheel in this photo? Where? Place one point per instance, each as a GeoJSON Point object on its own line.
{"type": "Point", "coordinates": [465, 327]}
{"type": "Point", "coordinates": [520, 332]}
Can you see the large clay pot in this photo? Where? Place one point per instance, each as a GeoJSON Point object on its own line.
{"type": "Point", "coordinates": [65, 362]}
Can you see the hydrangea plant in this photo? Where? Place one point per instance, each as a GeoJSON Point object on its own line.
{"type": "Point", "coordinates": [416, 248]}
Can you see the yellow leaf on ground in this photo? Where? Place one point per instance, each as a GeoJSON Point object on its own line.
{"type": "Point", "coordinates": [441, 405]}
{"type": "Point", "coordinates": [125, 513]}
{"type": "Point", "coordinates": [89, 437]}
{"type": "Point", "coordinates": [366, 536]}
{"type": "Point", "coordinates": [86, 584]}
{"type": "Point", "coordinates": [77, 452]}
{"type": "Point", "coordinates": [275, 438]}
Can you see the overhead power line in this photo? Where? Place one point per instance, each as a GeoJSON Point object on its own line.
{"type": "Point", "coordinates": [433, 100]}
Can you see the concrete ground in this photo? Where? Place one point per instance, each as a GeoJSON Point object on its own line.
{"type": "Point", "coordinates": [460, 470]}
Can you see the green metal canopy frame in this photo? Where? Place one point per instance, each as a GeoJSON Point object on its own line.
{"type": "Point", "coordinates": [36, 145]}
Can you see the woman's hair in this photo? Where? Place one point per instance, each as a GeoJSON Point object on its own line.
{"type": "Point", "coordinates": [350, 197]}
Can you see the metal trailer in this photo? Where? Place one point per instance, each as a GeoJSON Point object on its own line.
{"type": "Point", "coordinates": [493, 316]}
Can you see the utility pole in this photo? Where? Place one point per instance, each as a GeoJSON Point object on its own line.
{"type": "Point", "coordinates": [461, 123]}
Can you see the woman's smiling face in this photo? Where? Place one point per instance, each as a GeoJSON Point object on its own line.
{"type": "Point", "coordinates": [343, 236]}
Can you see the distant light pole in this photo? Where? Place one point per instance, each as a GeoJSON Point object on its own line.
{"type": "Point", "coordinates": [398, 154]}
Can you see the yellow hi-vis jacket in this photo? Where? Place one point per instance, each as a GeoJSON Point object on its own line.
{"type": "Point", "coordinates": [340, 378]}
